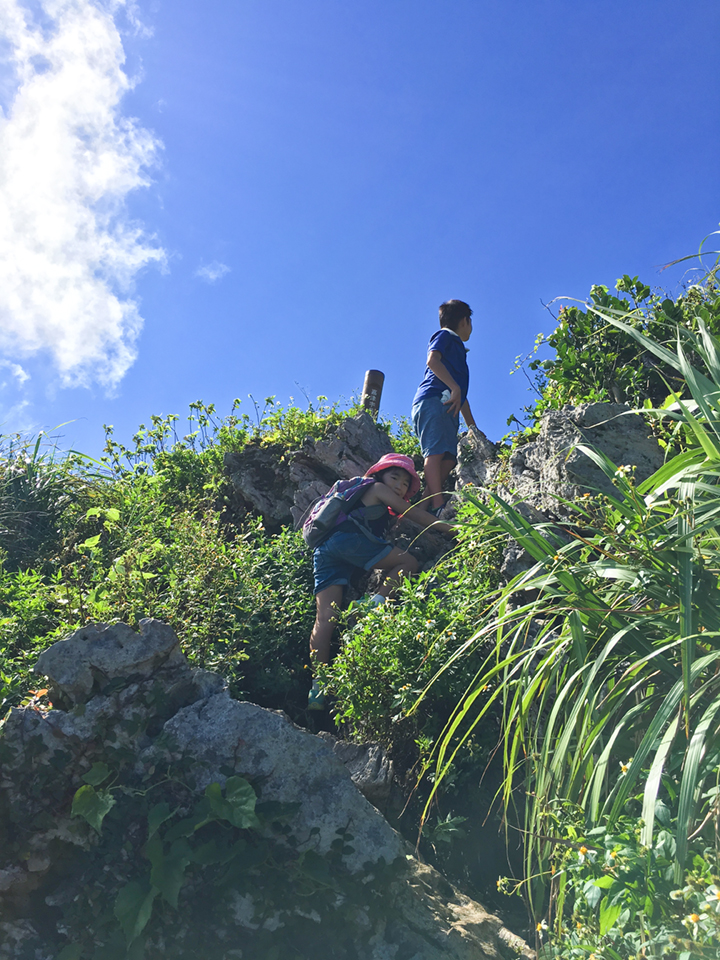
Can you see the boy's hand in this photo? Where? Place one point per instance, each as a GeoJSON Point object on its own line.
{"type": "Point", "coordinates": [454, 402]}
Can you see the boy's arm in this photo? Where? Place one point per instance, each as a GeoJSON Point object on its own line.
{"type": "Point", "coordinates": [416, 514]}
{"type": "Point", "coordinates": [467, 415]}
{"type": "Point", "coordinates": [435, 363]}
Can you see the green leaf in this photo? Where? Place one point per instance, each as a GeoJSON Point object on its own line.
{"type": "Point", "coordinates": [168, 869]}
{"type": "Point", "coordinates": [215, 852]}
{"type": "Point", "coordinates": [604, 882]}
{"type": "Point", "coordinates": [73, 951]}
{"type": "Point", "coordinates": [238, 804]}
{"type": "Point", "coordinates": [96, 774]}
{"type": "Point", "coordinates": [90, 542]}
{"type": "Point", "coordinates": [608, 915]}
{"type": "Point", "coordinates": [133, 907]}
{"type": "Point", "coordinates": [316, 867]}
{"type": "Point", "coordinates": [91, 805]}
{"type": "Point", "coordinates": [242, 798]}
{"type": "Point", "coordinates": [157, 816]}
{"type": "Point", "coordinates": [186, 827]}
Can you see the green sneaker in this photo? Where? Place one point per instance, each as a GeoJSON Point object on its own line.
{"type": "Point", "coordinates": [316, 698]}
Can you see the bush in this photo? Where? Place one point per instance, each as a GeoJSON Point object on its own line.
{"type": "Point", "coordinates": [616, 898]}
{"type": "Point", "coordinates": [390, 655]}
{"type": "Point", "coordinates": [595, 361]}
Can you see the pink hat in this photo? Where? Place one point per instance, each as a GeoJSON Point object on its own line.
{"type": "Point", "coordinates": [397, 460]}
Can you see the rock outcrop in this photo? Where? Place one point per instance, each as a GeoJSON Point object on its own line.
{"type": "Point", "coordinates": [550, 471]}
{"type": "Point", "coordinates": [542, 478]}
{"type": "Point", "coordinates": [281, 488]}
{"type": "Point", "coordinates": [130, 702]}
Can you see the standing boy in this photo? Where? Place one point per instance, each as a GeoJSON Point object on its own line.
{"type": "Point", "coordinates": [442, 396]}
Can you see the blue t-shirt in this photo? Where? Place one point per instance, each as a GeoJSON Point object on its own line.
{"type": "Point", "coordinates": [453, 352]}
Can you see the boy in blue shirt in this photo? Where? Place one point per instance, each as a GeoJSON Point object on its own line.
{"type": "Point", "coordinates": [442, 396]}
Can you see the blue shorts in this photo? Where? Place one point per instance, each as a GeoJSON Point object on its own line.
{"type": "Point", "coordinates": [436, 427]}
{"type": "Point", "coordinates": [338, 557]}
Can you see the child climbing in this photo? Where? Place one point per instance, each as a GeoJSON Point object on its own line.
{"type": "Point", "coordinates": [358, 543]}
{"type": "Point", "coordinates": [441, 397]}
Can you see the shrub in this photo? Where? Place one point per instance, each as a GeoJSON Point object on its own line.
{"type": "Point", "coordinates": [596, 361]}
{"type": "Point", "coordinates": [388, 657]}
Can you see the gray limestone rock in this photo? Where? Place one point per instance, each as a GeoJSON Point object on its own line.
{"type": "Point", "coordinates": [293, 765]}
{"type": "Point", "coordinates": [551, 470]}
{"type": "Point", "coordinates": [156, 708]}
{"type": "Point", "coordinates": [282, 487]}
{"type": "Point", "coordinates": [91, 657]}
{"type": "Point", "coordinates": [19, 940]}
{"type": "Point", "coordinates": [369, 766]}
{"type": "Point", "coordinates": [542, 478]}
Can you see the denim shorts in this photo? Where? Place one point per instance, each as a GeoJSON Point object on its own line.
{"type": "Point", "coordinates": [436, 427]}
{"type": "Point", "coordinates": [338, 557]}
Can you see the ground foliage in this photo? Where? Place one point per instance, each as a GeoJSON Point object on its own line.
{"type": "Point", "coordinates": [147, 530]}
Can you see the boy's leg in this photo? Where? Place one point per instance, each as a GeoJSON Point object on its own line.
{"type": "Point", "coordinates": [437, 470]}
{"type": "Point", "coordinates": [328, 603]}
{"type": "Point", "coordinates": [398, 565]}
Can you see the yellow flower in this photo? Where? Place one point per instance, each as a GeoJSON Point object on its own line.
{"type": "Point", "coordinates": [583, 850]}
{"type": "Point", "coordinates": [613, 853]}
{"type": "Point", "coordinates": [694, 918]}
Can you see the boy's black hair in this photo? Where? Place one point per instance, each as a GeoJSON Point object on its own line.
{"type": "Point", "coordinates": [452, 312]}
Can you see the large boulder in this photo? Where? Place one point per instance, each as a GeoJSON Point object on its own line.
{"type": "Point", "coordinates": [137, 720]}
{"type": "Point", "coordinates": [550, 471]}
{"type": "Point", "coordinates": [97, 654]}
{"type": "Point", "coordinates": [281, 486]}
{"type": "Point", "coordinates": [542, 478]}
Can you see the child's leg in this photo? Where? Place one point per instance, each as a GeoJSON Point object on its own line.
{"type": "Point", "coordinates": [437, 470]}
{"type": "Point", "coordinates": [328, 603]}
{"type": "Point", "coordinates": [398, 565]}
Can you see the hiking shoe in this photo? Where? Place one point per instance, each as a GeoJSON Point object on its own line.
{"type": "Point", "coordinates": [316, 697]}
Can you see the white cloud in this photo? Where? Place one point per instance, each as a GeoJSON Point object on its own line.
{"type": "Point", "coordinates": [212, 272]}
{"type": "Point", "coordinates": [68, 160]}
{"type": "Point", "coordinates": [16, 370]}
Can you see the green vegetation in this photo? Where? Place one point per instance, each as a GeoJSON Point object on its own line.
{"type": "Point", "coordinates": [149, 531]}
{"type": "Point", "coordinates": [594, 360]}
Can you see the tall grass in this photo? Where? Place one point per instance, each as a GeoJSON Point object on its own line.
{"type": "Point", "coordinates": [605, 655]}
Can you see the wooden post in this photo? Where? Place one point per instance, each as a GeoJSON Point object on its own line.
{"type": "Point", "coordinates": [372, 391]}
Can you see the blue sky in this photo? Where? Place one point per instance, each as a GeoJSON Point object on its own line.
{"type": "Point", "coordinates": [270, 197]}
